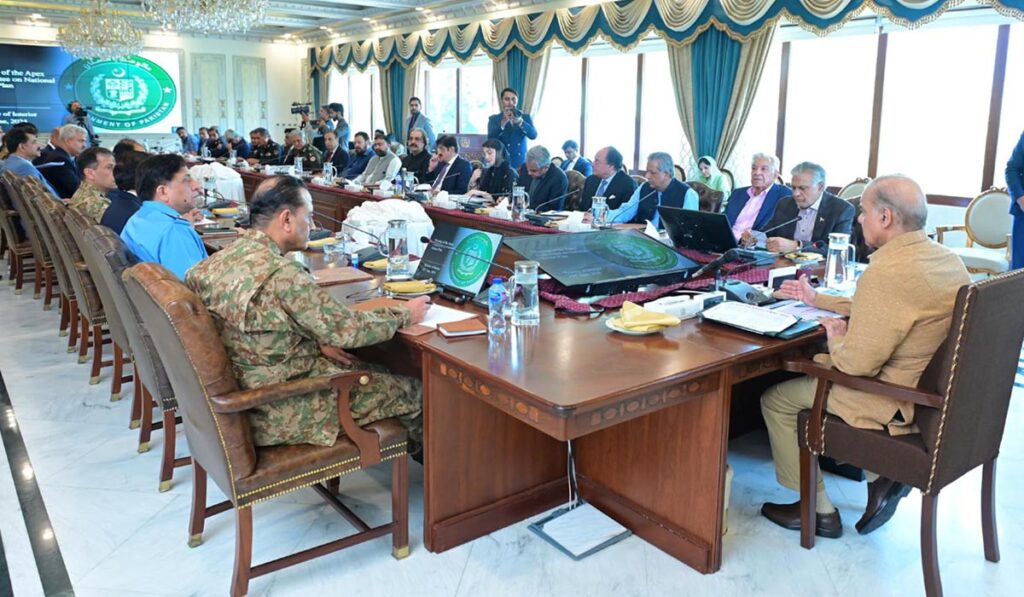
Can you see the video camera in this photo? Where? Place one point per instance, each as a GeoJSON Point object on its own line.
{"type": "Point", "coordinates": [300, 107]}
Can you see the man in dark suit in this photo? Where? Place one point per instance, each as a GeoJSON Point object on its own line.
{"type": "Point", "coordinates": [804, 221]}
{"type": "Point", "coordinates": [512, 127]}
{"type": "Point", "coordinates": [334, 154]}
{"type": "Point", "coordinates": [448, 170]}
{"type": "Point", "coordinates": [58, 166]}
{"type": "Point", "coordinates": [608, 181]}
{"type": "Point", "coordinates": [548, 185]}
{"type": "Point", "coordinates": [750, 208]}
{"type": "Point", "coordinates": [417, 158]}
{"type": "Point", "coordinates": [573, 159]}
{"type": "Point", "coordinates": [419, 120]}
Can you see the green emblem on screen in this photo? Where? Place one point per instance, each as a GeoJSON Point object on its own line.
{"type": "Point", "coordinates": [464, 269]}
{"type": "Point", "coordinates": [126, 95]}
{"type": "Point", "coordinates": [630, 251]}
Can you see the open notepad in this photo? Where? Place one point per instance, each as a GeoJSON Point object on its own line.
{"type": "Point", "coordinates": [759, 320]}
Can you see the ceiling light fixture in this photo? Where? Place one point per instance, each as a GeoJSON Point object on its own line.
{"type": "Point", "coordinates": [207, 16]}
{"type": "Point", "coordinates": [98, 34]}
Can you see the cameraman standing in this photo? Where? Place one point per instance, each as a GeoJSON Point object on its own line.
{"type": "Point", "coordinates": [78, 116]}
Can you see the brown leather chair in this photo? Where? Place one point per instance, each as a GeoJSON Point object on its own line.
{"type": "Point", "coordinates": [86, 309]}
{"type": "Point", "coordinates": [962, 401]}
{"type": "Point", "coordinates": [18, 188]}
{"type": "Point", "coordinates": [19, 248]}
{"type": "Point", "coordinates": [77, 224]}
{"type": "Point", "coordinates": [709, 199]}
{"type": "Point", "coordinates": [64, 287]}
{"type": "Point", "coordinates": [576, 182]}
{"type": "Point", "coordinates": [217, 426]}
{"type": "Point", "coordinates": [108, 258]}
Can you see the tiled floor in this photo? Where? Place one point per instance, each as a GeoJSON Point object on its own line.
{"type": "Point", "coordinates": [119, 536]}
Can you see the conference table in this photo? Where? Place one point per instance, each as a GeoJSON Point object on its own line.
{"type": "Point", "coordinates": [648, 418]}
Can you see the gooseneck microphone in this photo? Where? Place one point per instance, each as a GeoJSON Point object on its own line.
{"type": "Point", "coordinates": [618, 215]}
{"type": "Point", "coordinates": [786, 223]}
{"type": "Point", "coordinates": [343, 225]}
{"type": "Point", "coordinates": [555, 200]}
{"type": "Point", "coordinates": [427, 241]}
{"type": "Point", "coordinates": [730, 255]}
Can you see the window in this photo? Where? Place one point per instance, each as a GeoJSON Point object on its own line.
{"type": "Point", "coordinates": [476, 97]}
{"type": "Point", "coordinates": [359, 111]}
{"type": "Point", "coordinates": [938, 83]}
{"type": "Point", "coordinates": [337, 88]}
{"type": "Point", "coordinates": [439, 92]}
{"type": "Point", "coordinates": [660, 129]}
{"type": "Point", "coordinates": [828, 105]}
{"type": "Point", "coordinates": [558, 117]}
{"type": "Point", "coordinates": [377, 107]}
{"type": "Point", "coordinates": [1011, 123]}
{"type": "Point", "coordinates": [759, 131]}
{"type": "Point", "coordinates": [611, 104]}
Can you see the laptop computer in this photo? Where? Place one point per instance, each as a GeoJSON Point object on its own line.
{"type": "Point", "coordinates": [705, 231]}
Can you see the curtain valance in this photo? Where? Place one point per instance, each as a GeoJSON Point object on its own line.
{"type": "Point", "coordinates": [624, 24]}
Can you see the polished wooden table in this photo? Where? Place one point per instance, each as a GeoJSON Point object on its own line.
{"type": "Point", "coordinates": [648, 416]}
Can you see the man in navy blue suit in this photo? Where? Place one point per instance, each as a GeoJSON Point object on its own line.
{"type": "Point", "coordinates": [751, 208]}
{"type": "Point", "coordinates": [573, 159]}
{"type": "Point", "coordinates": [448, 170]}
{"type": "Point", "coordinates": [512, 127]}
{"type": "Point", "coordinates": [1015, 183]}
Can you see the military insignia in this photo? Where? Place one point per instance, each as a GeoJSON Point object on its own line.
{"type": "Point", "coordinates": [128, 94]}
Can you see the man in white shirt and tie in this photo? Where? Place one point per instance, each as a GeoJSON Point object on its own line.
{"type": "Point", "coordinates": [419, 120]}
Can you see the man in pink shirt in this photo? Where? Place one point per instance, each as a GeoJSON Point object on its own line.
{"type": "Point", "coordinates": [751, 208]}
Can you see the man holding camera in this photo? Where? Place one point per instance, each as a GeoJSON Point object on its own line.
{"type": "Point", "coordinates": [77, 115]}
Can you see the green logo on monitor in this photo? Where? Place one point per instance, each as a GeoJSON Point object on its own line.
{"type": "Point", "coordinates": [631, 251]}
{"type": "Point", "coordinates": [466, 270]}
{"type": "Point", "coordinates": [126, 95]}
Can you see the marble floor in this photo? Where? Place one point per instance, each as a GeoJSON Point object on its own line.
{"type": "Point", "coordinates": [119, 536]}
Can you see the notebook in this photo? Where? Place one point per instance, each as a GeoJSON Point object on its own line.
{"type": "Point", "coordinates": [466, 327]}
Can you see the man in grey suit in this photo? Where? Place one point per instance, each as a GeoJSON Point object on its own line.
{"type": "Point", "coordinates": [803, 221]}
{"type": "Point", "coordinates": [418, 120]}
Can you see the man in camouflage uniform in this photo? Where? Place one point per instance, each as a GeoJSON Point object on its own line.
{"type": "Point", "coordinates": [312, 159]}
{"type": "Point", "coordinates": [278, 325]}
{"type": "Point", "coordinates": [96, 168]}
{"type": "Point", "coordinates": [264, 150]}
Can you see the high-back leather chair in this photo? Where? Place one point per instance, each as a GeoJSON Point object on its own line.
{"type": "Point", "coordinates": [65, 290]}
{"type": "Point", "coordinates": [18, 247]}
{"type": "Point", "coordinates": [709, 199]}
{"type": "Point", "coordinates": [962, 400]}
{"type": "Point", "coordinates": [576, 182]}
{"type": "Point", "coordinates": [77, 224]}
{"type": "Point", "coordinates": [214, 409]}
{"type": "Point", "coordinates": [108, 258]}
{"type": "Point", "coordinates": [86, 309]}
{"type": "Point", "coordinates": [18, 188]}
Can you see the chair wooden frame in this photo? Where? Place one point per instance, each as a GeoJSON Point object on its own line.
{"type": "Point", "coordinates": [20, 188]}
{"type": "Point", "coordinates": [941, 231]}
{"type": "Point", "coordinates": [19, 252]}
{"type": "Point", "coordinates": [857, 182]}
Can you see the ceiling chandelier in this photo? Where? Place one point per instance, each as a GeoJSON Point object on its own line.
{"type": "Point", "coordinates": [99, 34]}
{"type": "Point", "coordinates": [207, 16]}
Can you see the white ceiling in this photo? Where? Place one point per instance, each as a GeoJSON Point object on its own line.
{"type": "Point", "coordinates": [302, 21]}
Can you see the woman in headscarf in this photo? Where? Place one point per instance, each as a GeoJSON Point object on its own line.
{"type": "Point", "coordinates": [708, 174]}
{"type": "Point", "coordinates": [496, 177]}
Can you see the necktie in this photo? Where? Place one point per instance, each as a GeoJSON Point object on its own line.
{"type": "Point", "coordinates": [601, 188]}
{"type": "Point", "coordinates": [440, 176]}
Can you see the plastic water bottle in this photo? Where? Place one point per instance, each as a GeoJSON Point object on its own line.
{"type": "Point", "coordinates": [496, 299]}
{"type": "Point", "coordinates": [298, 165]}
{"type": "Point", "coordinates": [400, 184]}
{"type": "Point", "coordinates": [206, 151]}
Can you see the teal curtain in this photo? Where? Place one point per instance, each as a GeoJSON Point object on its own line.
{"type": "Point", "coordinates": [517, 65]}
{"type": "Point", "coordinates": [715, 60]}
{"type": "Point", "coordinates": [394, 100]}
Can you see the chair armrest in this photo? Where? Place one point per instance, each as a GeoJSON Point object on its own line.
{"type": "Point", "coordinates": [243, 400]}
{"type": "Point", "coordinates": [941, 230]}
{"type": "Point", "coordinates": [865, 384]}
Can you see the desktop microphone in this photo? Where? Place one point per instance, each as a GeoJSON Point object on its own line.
{"type": "Point", "coordinates": [376, 254]}
{"type": "Point", "coordinates": [642, 199]}
{"type": "Point", "coordinates": [427, 241]}
{"type": "Point", "coordinates": [730, 255]}
{"type": "Point", "coordinates": [556, 199]}
{"type": "Point", "coordinates": [786, 223]}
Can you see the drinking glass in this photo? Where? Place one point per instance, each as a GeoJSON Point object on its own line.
{"type": "Point", "coordinates": [526, 294]}
{"type": "Point", "coordinates": [398, 251]}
